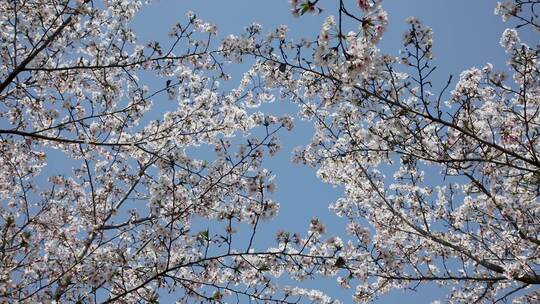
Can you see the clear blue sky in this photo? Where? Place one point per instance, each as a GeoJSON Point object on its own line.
{"type": "Point", "coordinates": [466, 34]}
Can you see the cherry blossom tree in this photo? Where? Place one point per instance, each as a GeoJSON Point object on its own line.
{"type": "Point", "coordinates": [441, 180]}
{"type": "Point", "coordinates": [441, 185]}
{"type": "Point", "coordinates": [114, 223]}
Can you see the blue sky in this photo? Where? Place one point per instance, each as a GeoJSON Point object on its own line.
{"type": "Point", "coordinates": [466, 34]}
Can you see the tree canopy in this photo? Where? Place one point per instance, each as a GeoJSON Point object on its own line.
{"type": "Point", "coordinates": [441, 182]}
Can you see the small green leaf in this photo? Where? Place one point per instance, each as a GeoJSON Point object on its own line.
{"type": "Point", "coordinates": [205, 234]}
{"type": "Point", "coordinates": [217, 295]}
{"type": "Point", "coordinates": [304, 7]}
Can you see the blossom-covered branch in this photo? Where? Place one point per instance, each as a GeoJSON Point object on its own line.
{"type": "Point", "coordinates": [461, 207]}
